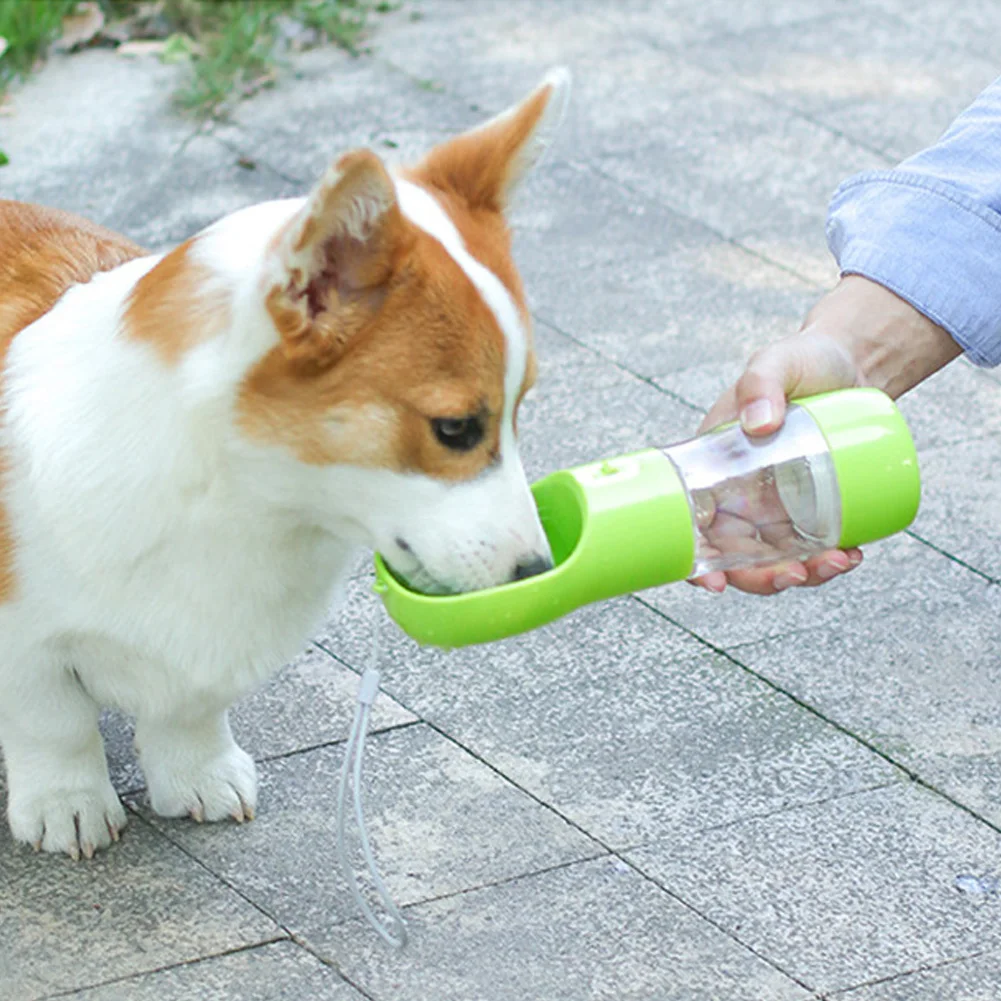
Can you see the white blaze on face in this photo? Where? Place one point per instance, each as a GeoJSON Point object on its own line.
{"type": "Point", "coordinates": [420, 207]}
{"type": "Point", "coordinates": [499, 502]}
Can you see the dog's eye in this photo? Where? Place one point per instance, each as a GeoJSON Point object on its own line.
{"type": "Point", "coordinates": [458, 433]}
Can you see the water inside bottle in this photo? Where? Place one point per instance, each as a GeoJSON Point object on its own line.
{"type": "Point", "coordinates": [760, 501]}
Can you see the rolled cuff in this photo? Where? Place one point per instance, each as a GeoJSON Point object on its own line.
{"type": "Point", "coordinates": [931, 245]}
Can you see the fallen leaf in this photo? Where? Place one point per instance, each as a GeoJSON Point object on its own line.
{"type": "Point", "coordinates": [135, 50]}
{"type": "Point", "coordinates": [81, 26]}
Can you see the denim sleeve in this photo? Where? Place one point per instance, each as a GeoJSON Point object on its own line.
{"type": "Point", "coordinates": [930, 230]}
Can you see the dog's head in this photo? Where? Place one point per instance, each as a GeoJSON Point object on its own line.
{"type": "Point", "coordinates": [404, 347]}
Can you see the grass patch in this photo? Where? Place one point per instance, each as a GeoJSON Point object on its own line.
{"type": "Point", "coordinates": [233, 47]}
{"type": "Point", "coordinates": [28, 28]}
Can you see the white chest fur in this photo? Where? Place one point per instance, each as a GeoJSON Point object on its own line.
{"type": "Point", "coordinates": [146, 557]}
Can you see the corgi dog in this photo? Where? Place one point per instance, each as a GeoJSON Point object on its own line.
{"type": "Point", "coordinates": [194, 445]}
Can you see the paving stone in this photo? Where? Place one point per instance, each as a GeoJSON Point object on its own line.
{"type": "Point", "coordinates": [60, 130]}
{"type": "Point", "coordinates": [962, 26]}
{"type": "Point", "coordinates": [957, 404]}
{"type": "Point", "coordinates": [737, 161]}
{"type": "Point", "coordinates": [340, 103]}
{"type": "Point", "coordinates": [842, 892]}
{"type": "Point", "coordinates": [655, 292]}
{"type": "Point", "coordinates": [618, 720]}
{"type": "Point", "coordinates": [483, 56]}
{"type": "Point", "coordinates": [440, 822]}
{"type": "Point", "coordinates": [896, 573]}
{"type": "Point", "coordinates": [677, 24]}
{"type": "Point", "coordinates": [866, 74]}
{"type": "Point", "coordinates": [622, 413]}
{"type": "Point", "coordinates": [960, 502]}
{"type": "Point", "coordinates": [161, 184]}
{"type": "Point", "coordinates": [202, 183]}
{"type": "Point", "coordinates": [974, 979]}
{"type": "Point", "coordinates": [589, 932]}
{"type": "Point", "coordinates": [797, 244]}
{"type": "Point", "coordinates": [918, 681]}
{"type": "Point", "coordinates": [279, 972]}
{"type": "Point", "coordinates": [310, 702]}
{"type": "Point", "coordinates": [142, 905]}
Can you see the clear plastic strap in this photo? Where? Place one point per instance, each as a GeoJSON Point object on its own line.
{"type": "Point", "coordinates": [393, 931]}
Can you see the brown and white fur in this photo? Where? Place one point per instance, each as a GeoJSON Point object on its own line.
{"type": "Point", "coordinates": [193, 445]}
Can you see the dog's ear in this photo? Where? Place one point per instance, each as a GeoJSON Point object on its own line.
{"type": "Point", "coordinates": [485, 165]}
{"type": "Point", "coordinates": [330, 266]}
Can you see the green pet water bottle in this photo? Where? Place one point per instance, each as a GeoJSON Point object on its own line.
{"type": "Point", "coordinates": [842, 471]}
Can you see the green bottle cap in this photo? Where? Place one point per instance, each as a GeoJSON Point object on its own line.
{"type": "Point", "coordinates": [874, 460]}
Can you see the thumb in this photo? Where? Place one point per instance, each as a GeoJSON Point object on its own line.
{"type": "Point", "coordinates": [772, 376]}
{"type": "Point", "coordinates": [805, 363]}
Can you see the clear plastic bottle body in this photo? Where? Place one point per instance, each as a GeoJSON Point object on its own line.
{"type": "Point", "coordinates": [759, 501]}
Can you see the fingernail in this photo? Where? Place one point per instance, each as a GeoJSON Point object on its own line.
{"type": "Point", "coordinates": [828, 570]}
{"type": "Point", "coordinates": [785, 580]}
{"type": "Point", "coordinates": [854, 559]}
{"type": "Point", "coordinates": [757, 415]}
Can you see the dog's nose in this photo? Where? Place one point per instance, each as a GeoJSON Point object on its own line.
{"type": "Point", "coordinates": [531, 566]}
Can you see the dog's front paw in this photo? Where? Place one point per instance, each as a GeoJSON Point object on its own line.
{"type": "Point", "coordinates": [55, 818]}
{"type": "Point", "coordinates": [205, 787]}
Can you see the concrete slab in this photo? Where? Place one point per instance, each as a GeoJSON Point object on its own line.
{"type": "Point", "coordinates": [916, 680]}
{"type": "Point", "coordinates": [796, 244]}
{"type": "Point", "coordinates": [677, 24]}
{"type": "Point", "coordinates": [310, 703]}
{"type": "Point", "coordinates": [959, 505]}
{"type": "Point", "coordinates": [645, 287]}
{"type": "Point", "coordinates": [334, 102]}
{"type": "Point", "coordinates": [866, 74]}
{"type": "Point", "coordinates": [441, 822]}
{"type": "Point", "coordinates": [737, 161]}
{"type": "Point", "coordinates": [622, 725]}
{"type": "Point", "coordinates": [962, 26]}
{"type": "Point", "coordinates": [626, 413]}
{"type": "Point", "coordinates": [486, 55]}
{"type": "Point", "coordinates": [141, 170]}
{"type": "Point", "coordinates": [594, 931]}
{"type": "Point", "coordinates": [975, 979]}
{"type": "Point", "coordinates": [844, 892]}
{"type": "Point", "coordinates": [898, 573]}
{"type": "Point", "coordinates": [139, 907]}
{"type": "Point", "coordinates": [283, 971]}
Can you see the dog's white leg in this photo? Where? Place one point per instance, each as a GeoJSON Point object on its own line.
{"type": "Point", "coordinates": [60, 798]}
{"type": "Point", "coordinates": [194, 767]}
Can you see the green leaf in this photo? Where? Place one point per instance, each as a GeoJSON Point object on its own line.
{"type": "Point", "coordinates": [178, 48]}
{"type": "Point", "coordinates": [4, 159]}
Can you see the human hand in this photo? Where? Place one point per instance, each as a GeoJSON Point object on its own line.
{"type": "Point", "coordinates": [860, 334]}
